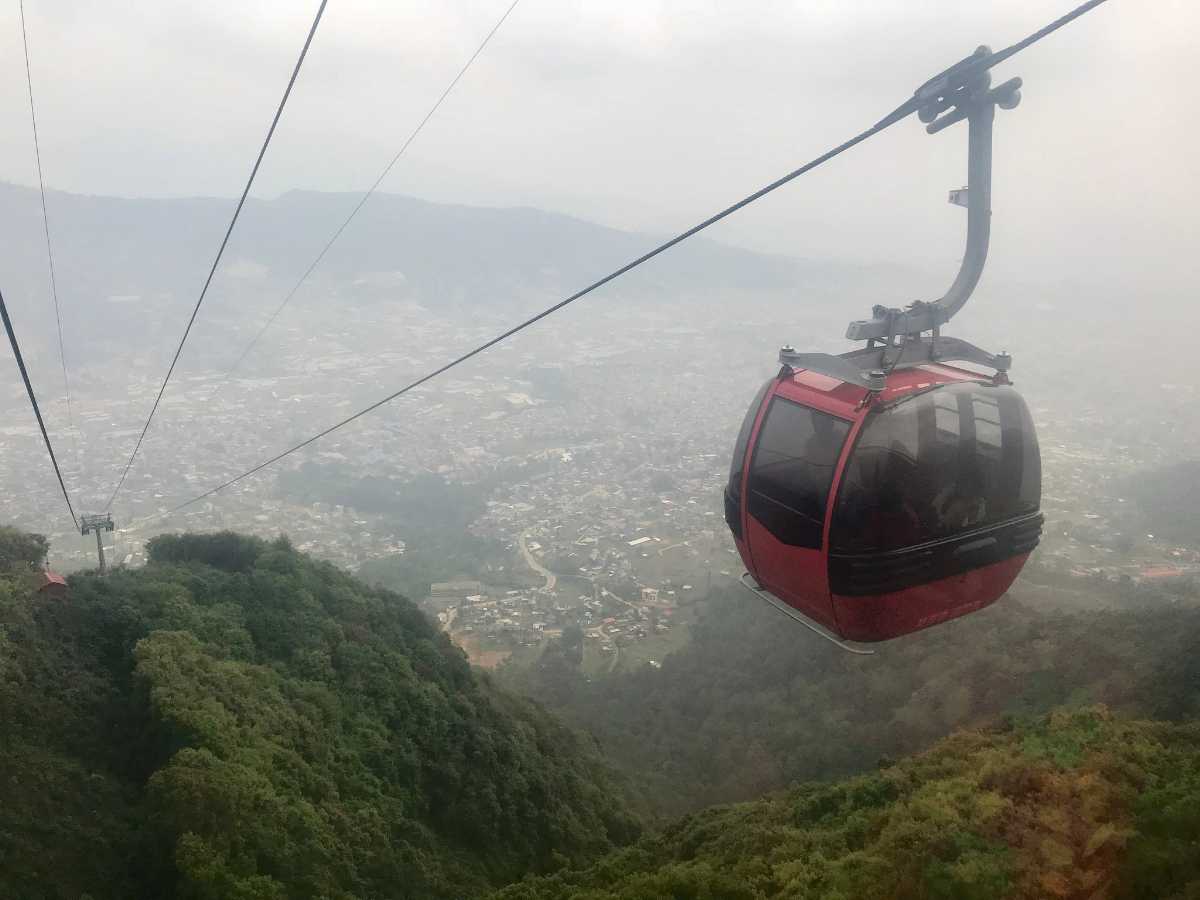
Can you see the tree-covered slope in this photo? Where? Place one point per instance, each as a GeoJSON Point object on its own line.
{"type": "Point", "coordinates": [238, 720]}
{"type": "Point", "coordinates": [755, 703]}
{"type": "Point", "coordinates": [1075, 805]}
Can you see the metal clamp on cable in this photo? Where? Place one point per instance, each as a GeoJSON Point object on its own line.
{"type": "Point", "coordinates": [961, 92]}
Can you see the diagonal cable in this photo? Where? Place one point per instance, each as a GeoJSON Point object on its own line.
{"type": "Point", "coordinates": [901, 112]}
{"type": "Point", "coordinates": [37, 150]}
{"type": "Point", "coordinates": [362, 201]}
{"type": "Point", "coordinates": [16, 349]}
{"type": "Point", "coordinates": [1013, 50]}
{"type": "Point", "coordinates": [661, 248]}
{"type": "Point", "coordinates": [221, 250]}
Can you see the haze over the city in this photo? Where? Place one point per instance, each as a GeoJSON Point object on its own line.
{"type": "Point", "coordinates": [640, 117]}
{"type": "Point", "coordinates": [646, 116]}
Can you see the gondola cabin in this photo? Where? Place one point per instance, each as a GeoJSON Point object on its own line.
{"type": "Point", "coordinates": [876, 513]}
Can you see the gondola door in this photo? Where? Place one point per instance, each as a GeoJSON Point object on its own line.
{"type": "Point", "coordinates": [796, 453]}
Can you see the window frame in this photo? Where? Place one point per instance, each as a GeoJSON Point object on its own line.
{"type": "Point", "coordinates": [999, 460]}
{"type": "Point", "coordinates": [785, 525]}
{"type": "Point", "coordinates": [735, 486]}
{"type": "Point", "coordinates": [741, 444]}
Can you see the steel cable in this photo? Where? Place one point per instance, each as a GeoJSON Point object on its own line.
{"type": "Point", "coordinates": [220, 251]}
{"type": "Point", "coordinates": [898, 114]}
{"type": "Point", "coordinates": [37, 150]}
{"type": "Point", "coordinates": [16, 349]}
{"type": "Point", "coordinates": [362, 201]}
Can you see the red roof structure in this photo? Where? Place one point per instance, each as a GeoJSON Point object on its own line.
{"type": "Point", "coordinates": [53, 584]}
{"type": "Point", "coordinates": [1156, 572]}
{"type": "Point", "coordinates": [842, 399]}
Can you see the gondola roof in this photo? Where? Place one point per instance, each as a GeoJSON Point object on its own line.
{"type": "Point", "coordinates": [844, 400]}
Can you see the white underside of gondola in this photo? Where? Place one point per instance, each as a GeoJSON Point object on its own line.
{"type": "Point", "coordinates": [748, 582]}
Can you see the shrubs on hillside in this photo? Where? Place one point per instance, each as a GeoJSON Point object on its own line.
{"type": "Point", "coordinates": [238, 720]}
{"type": "Point", "coordinates": [1075, 804]}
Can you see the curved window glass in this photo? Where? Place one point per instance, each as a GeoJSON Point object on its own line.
{"type": "Point", "coordinates": [952, 459]}
{"type": "Point", "coordinates": [733, 491]}
{"type": "Point", "coordinates": [743, 438]}
{"type": "Point", "coordinates": [793, 465]}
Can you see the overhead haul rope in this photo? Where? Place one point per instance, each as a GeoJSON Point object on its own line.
{"type": "Point", "coordinates": [362, 201]}
{"type": "Point", "coordinates": [977, 64]}
{"type": "Point", "coordinates": [37, 151]}
{"type": "Point", "coordinates": [16, 349]}
{"type": "Point", "coordinates": [220, 251]}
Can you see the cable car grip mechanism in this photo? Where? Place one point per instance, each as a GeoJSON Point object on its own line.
{"type": "Point", "coordinates": [912, 336]}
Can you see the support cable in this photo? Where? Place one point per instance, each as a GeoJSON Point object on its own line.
{"type": "Point", "coordinates": [841, 148]}
{"type": "Point", "coordinates": [37, 150]}
{"type": "Point", "coordinates": [221, 250]}
{"type": "Point", "coordinates": [997, 58]}
{"type": "Point", "coordinates": [975, 63]}
{"type": "Point", "coordinates": [362, 201]}
{"type": "Point", "coordinates": [16, 349]}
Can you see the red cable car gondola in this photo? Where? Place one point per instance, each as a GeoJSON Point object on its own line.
{"type": "Point", "coordinates": [878, 518]}
{"type": "Point", "coordinates": [882, 491]}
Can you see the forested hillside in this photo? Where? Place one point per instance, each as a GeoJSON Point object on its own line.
{"type": "Point", "coordinates": [1075, 805]}
{"type": "Point", "coordinates": [755, 703]}
{"type": "Point", "coordinates": [239, 720]}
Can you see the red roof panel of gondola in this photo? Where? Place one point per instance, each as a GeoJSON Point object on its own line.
{"type": "Point", "coordinates": [842, 399]}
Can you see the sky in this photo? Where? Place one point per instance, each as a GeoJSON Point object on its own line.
{"type": "Point", "coordinates": [643, 114]}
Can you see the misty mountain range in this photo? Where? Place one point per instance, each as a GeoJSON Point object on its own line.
{"type": "Point", "coordinates": [127, 269]}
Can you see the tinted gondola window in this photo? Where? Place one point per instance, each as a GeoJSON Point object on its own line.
{"type": "Point", "coordinates": [733, 491]}
{"type": "Point", "coordinates": [794, 460]}
{"type": "Point", "coordinates": [947, 461]}
{"type": "Point", "coordinates": [743, 439]}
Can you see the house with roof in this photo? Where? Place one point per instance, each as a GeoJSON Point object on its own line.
{"type": "Point", "coordinates": [51, 584]}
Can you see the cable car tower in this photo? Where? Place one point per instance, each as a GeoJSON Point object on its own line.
{"type": "Point", "coordinates": [98, 522]}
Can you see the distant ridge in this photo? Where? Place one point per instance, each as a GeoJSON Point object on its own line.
{"type": "Point", "coordinates": [148, 255]}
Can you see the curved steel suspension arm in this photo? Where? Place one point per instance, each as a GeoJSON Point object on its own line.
{"type": "Point", "coordinates": [976, 104]}
{"type": "Point", "coordinates": [979, 212]}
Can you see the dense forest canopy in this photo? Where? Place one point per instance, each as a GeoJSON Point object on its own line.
{"type": "Point", "coordinates": [754, 703]}
{"type": "Point", "coordinates": [239, 720]}
{"type": "Point", "coordinates": [1075, 805]}
{"type": "Point", "coordinates": [19, 549]}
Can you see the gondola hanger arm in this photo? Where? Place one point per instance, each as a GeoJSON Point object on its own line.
{"type": "Point", "coordinates": [961, 92]}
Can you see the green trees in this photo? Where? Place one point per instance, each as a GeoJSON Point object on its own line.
{"type": "Point", "coordinates": [223, 550]}
{"type": "Point", "coordinates": [753, 704]}
{"type": "Point", "coordinates": [19, 549]}
{"type": "Point", "coordinates": [1042, 810]}
{"type": "Point", "coordinates": [237, 720]}
{"type": "Point", "coordinates": [68, 814]}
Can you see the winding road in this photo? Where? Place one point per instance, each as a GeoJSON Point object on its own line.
{"type": "Point", "coordinates": [531, 561]}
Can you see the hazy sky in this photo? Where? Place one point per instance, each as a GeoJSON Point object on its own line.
{"type": "Point", "coordinates": [641, 114]}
